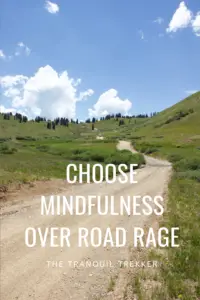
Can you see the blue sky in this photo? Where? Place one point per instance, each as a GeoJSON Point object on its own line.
{"type": "Point", "coordinates": [123, 54]}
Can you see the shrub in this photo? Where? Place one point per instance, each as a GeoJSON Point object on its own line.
{"type": "Point", "coordinates": [125, 157]}
{"type": "Point", "coordinates": [43, 148]}
{"type": "Point", "coordinates": [192, 164]}
{"type": "Point", "coordinates": [5, 149]}
{"type": "Point", "coordinates": [179, 115]}
{"type": "Point", "coordinates": [174, 158]}
{"type": "Point", "coordinates": [3, 140]}
{"type": "Point", "coordinates": [25, 138]}
{"type": "Point", "coordinates": [81, 155]}
{"type": "Point", "coordinates": [97, 157]}
{"type": "Point", "coordinates": [78, 151]}
{"type": "Point", "coordinates": [150, 150]}
{"type": "Point", "coordinates": [194, 175]}
{"type": "Point", "coordinates": [146, 148]}
{"type": "Point", "coordinates": [137, 137]}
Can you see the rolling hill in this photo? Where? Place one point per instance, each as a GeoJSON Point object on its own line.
{"type": "Point", "coordinates": [29, 151]}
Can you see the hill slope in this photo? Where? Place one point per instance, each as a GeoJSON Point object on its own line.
{"type": "Point", "coordinates": [175, 134]}
{"type": "Point", "coordinates": [177, 123]}
{"type": "Point", "coordinates": [31, 151]}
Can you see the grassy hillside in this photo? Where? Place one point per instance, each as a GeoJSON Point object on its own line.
{"type": "Point", "coordinates": [30, 151]}
{"type": "Point", "coordinates": [175, 134]}
{"type": "Point", "coordinates": [178, 124]}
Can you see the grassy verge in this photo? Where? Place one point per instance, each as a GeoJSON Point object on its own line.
{"type": "Point", "coordinates": [182, 272]}
{"type": "Point", "coordinates": [179, 274]}
{"type": "Point", "coordinates": [25, 160]}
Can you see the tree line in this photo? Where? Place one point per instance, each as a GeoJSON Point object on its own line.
{"type": "Point", "coordinates": [66, 121]}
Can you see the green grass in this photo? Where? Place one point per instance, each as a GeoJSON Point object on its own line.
{"type": "Point", "coordinates": [111, 284]}
{"type": "Point", "coordinates": [28, 160]}
{"type": "Point", "coordinates": [182, 273]}
{"type": "Point", "coordinates": [179, 142]}
{"type": "Point", "coordinates": [174, 134]}
{"type": "Point", "coordinates": [180, 132]}
{"type": "Point", "coordinates": [30, 151]}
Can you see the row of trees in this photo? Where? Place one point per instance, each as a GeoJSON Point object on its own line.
{"type": "Point", "coordinates": [120, 116]}
{"type": "Point", "coordinates": [17, 116]}
{"type": "Point", "coordinates": [65, 121]}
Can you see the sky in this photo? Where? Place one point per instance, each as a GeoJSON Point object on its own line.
{"type": "Point", "coordinates": [81, 59]}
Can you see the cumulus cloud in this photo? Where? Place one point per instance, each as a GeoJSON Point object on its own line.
{"type": "Point", "coordinates": [11, 81]}
{"type": "Point", "coordinates": [109, 103]}
{"type": "Point", "coordinates": [159, 20]}
{"type": "Point", "coordinates": [181, 19]}
{"type": "Point", "coordinates": [47, 93]}
{"type": "Point", "coordinates": [51, 7]}
{"type": "Point", "coordinates": [2, 55]}
{"type": "Point", "coordinates": [3, 109]}
{"type": "Point", "coordinates": [196, 24]}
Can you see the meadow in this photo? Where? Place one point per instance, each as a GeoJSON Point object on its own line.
{"type": "Point", "coordinates": [31, 152]}
{"type": "Point", "coordinates": [174, 134]}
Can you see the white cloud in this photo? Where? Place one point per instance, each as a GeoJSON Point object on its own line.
{"type": "Point", "coordinates": [196, 24]}
{"type": "Point", "coordinates": [2, 55]}
{"type": "Point", "coordinates": [109, 103]}
{"type": "Point", "coordinates": [141, 34]}
{"type": "Point", "coordinates": [11, 81]}
{"type": "Point", "coordinates": [181, 19]}
{"type": "Point", "coordinates": [22, 48]}
{"type": "Point", "coordinates": [21, 44]}
{"type": "Point", "coordinates": [85, 95]}
{"type": "Point", "coordinates": [3, 109]}
{"type": "Point", "coordinates": [190, 92]}
{"type": "Point", "coordinates": [6, 110]}
{"type": "Point", "coordinates": [47, 93]}
{"type": "Point", "coordinates": [51, 7]}
{"type": "Point", "coordinates": [159, 20]}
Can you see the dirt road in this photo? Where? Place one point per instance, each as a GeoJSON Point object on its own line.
{"type": "Point", "coordinates": [25, 273]}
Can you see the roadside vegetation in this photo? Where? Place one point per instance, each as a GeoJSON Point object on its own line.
{"type": "Point", "coordinates": [173, 134]}
{"type": "Point", "coordinates": [179, 142]}
{"type": "Point", "coordinates": [26, 161]}
{"type": "Point", "coordinates": [29, 151]}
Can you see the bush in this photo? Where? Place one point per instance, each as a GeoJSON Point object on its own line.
{"type": "Point", "coordinates": [25, 138]}
{"type": "Point", "coordinates": [179, 115]}
{"type": "Point", "coordinates": [192, 164]}
{"type": "Point", "coordinates": [78, 151]}
{"type": "Point", "coordinates": [151, 150]}
{"type": "Point", "coordinates": [194, 175]}
{"type": "Point", "coordinates": [43, 148]}
{"type": "Point", "coordinates": [97, 157]}
{"type": "Point", "coordinates": [5, 149]}
{"type": "Point", "coordinates": [174, 158]}
{"type": "Point", "coordinates": [125, 157]}
{"type": "Point", "coordinates": [116, 157]}
{"type": "Point", "coordinates": [3, 140]}
{"type": "Point", "coordinates": [146, 148]}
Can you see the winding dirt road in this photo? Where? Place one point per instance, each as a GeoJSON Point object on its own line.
{"type": "Point", "coordinates": [25, 273]}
